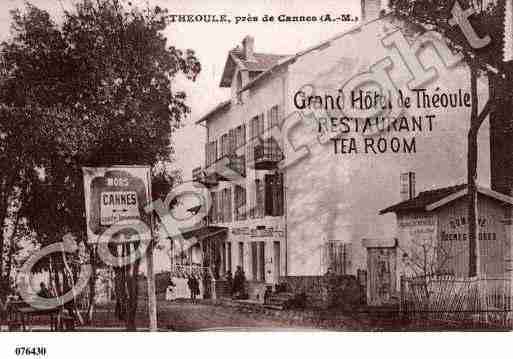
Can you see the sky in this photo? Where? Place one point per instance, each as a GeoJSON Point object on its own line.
{"type": "Point", "coordinates": [211, 42]}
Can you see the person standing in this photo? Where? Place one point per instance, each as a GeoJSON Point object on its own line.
{"type": "Point", "coordinates": [239, 283]}
{"type": "Point", "coordinates": [192, 290]}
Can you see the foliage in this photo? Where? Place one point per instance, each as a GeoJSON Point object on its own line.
{"type": "Point", "coordinates": [435, 14]}
{"type": "Point", "coordinates": [95, 90]}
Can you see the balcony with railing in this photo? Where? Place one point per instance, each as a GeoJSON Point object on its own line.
{"type": "Point", "coordinates": [199, 174]}
{"type": "Point", "coordinates": [267, 155]}
{"type": "Point", "coordinates": [218, 170]}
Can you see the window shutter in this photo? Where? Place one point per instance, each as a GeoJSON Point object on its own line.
{"type": "Point", "coordinates": [213, 209]}
{"type": "Point", "coordinates": [278, 195]}
{"type": "Point", "coordinates": [229, 204]}
{"type": "Point", "coordinates": [260, 200]}
{"type": "Point", "coordinates": [261, 124]}
{"type": "Point", "coordinates": [220, 206]}
{"type": "Point", "coordinates": [233, 141]}
{"type": "Point", "coordinates": [268, 190]}
{"type": "Point", "coordinates": [207, 154]}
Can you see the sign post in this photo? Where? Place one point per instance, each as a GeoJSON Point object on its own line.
{"type": "Point", "coordinates": [152, 299]}
{"type": "Point", "coordinates": [150, 275]}
{"type": "Point", "coordinates": [115, 200]}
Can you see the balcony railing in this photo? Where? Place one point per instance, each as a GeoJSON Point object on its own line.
{"type": "Point", "coordinates": [197, 173]}
{"type": "Point", "coordinates": [238, 164]}
{"type": "Point", "coordinates": [267, 155]}
{"type": "Point", "coordinates": [200, 175]}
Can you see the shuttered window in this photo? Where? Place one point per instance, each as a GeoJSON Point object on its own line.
{"type": "Point", "coordinates": [273, 117]}
{"type": "Point", "coordinates": [240, 203]}
{"type": "Point", "coordinates": [211, 153]}
{"type": "Point", "coordinates": [259, 191]}
{"type": "Point", "coordinates": [274, 196]}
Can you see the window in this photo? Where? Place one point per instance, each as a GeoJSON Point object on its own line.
{"type": "Point", "coordinates": [261, 261]}
{"type": "Point", "coordinates": [213, 208]}
{"type": "Point", "coordinates": [211, 153]}
{"type": "Point", "coordinates": [237, 139]}
{"type": "Point", "coordinates": [241, 255]}
{"type": "Point", "coordinates": [254, 260]}
{"type": "Point", "coordinates": [259, 198]}
{"type": "Point", "coordinates": [240, 136]}
{"type": "Point", "coordinates": [229, 257]}
{"type": "Point", "coordinates": [227, 205]}
{"type": "Point", "coordinates": [240, 203]}
{"type": "Point", "coordinates": [231, 142]}
{"type": "Point", "coordinates": [256, 128]}
{"type": "Point", "coordinates": [273, 117]}
{"type": "Point", "coordinates": [225, 145]}
{"type": "Point", "coordinates": [221, 206]}
{"type": "Point", "coordinates": [274, 196]}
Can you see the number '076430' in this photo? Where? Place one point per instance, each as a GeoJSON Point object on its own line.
{"type": "Point", "coordinates": [30, 351]}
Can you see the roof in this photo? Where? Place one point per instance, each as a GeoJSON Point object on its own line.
{"type": "Point", "coordinates": [220, 107]}
{"type": "Point", "coordinates": [267, 64]}
{"type": "Point", "coordinates": [260, 62]}
{"type": "Point", "coordinates": [433, 199]}
{"type": "Point", "coordinates": [324, 44]}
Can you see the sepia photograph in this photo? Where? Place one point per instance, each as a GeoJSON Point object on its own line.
{"type": "Point", "coordinates": [265, 166]}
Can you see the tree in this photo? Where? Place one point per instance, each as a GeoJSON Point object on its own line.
{"type": "Point", "coordinates": [96, 90]}
{"type": "Point", "coordinates": [485, 60]}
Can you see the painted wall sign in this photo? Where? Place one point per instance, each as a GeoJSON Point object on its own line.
{"type": "Point", "coordinates": [114, 194]}
{"type": "Point", "coordinates": [458, 229]}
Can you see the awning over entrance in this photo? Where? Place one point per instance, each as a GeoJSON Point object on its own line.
{"type": "Point", "coordinates": [205, 232]}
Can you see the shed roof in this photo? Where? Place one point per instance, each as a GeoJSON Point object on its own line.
{"type": "Point", "coordinates": [433, 199]}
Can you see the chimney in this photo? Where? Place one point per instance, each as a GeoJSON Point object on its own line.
{"type": "Point", "coordinates": [508, 31]}
{"type": "Point", "coordinates": [370, 9]}
{"type": "Point", "coordinates": [248, 47]}
{"type": "Point", "coordinates": [407, 186]}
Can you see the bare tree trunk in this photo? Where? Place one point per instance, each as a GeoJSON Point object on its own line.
{"type": "Point", "coordinates": [3, 289]}
{"type": "Point", "coordinates": [472, 178]}
{"type": "Point", "coordinates": [127, 289]}
{"type": "Point", "coordinates": [92, 284]}
{"type": "Point", "coordinates": [133, 290]}
{"type": "Point", "coordinates": [476, 119]}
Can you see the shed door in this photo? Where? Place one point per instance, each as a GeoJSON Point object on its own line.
{"type": "Point", "coordinates": [381, 264]}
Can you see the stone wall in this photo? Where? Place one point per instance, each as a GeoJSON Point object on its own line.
{"type": "Point", "coordinates": [328, 291]}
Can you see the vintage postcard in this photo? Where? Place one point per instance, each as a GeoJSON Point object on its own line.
{"type": "Point", "coordinates": [264, 166]}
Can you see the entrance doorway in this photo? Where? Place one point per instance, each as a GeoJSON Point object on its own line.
{"type": "Point", "coordinates": [381, 269]}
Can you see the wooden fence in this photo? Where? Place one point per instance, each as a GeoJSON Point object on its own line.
{"type": "Point", "coordinates": [473, 301]}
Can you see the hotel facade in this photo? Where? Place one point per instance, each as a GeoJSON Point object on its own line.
{"type": "Point", "coordinates": [300, 203]}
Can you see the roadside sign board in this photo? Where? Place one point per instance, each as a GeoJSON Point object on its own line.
{"type": "Point", "coordinates": [114, 194]}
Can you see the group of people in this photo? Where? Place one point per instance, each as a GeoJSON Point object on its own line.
{"type": "Point", "coordinates": [194, 286]}
{"type": "Point", "coordinates": [236, 284]}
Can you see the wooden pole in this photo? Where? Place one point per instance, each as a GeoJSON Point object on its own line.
{"type": "Point", "coordinates": [150, 277]}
